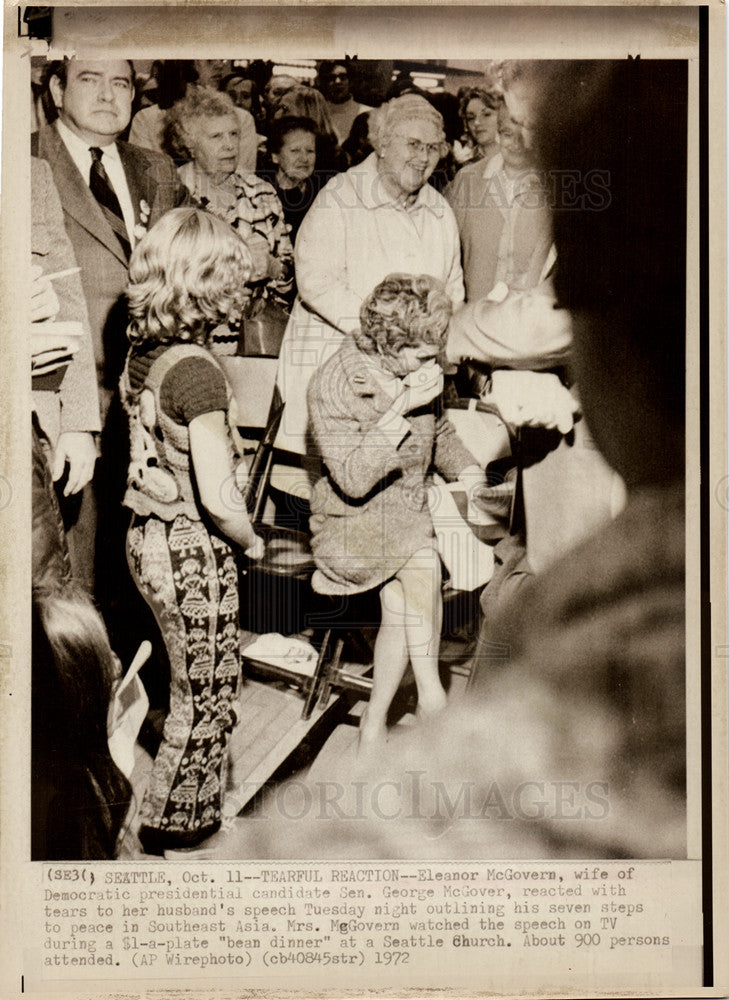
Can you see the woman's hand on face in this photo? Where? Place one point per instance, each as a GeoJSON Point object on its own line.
{"type": "Point", "coordinates": [420, 388]}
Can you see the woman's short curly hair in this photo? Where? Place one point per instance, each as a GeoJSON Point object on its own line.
{"type": "Point", "coordinates": [404, 310]}
{"type": "Point", "coordinates": [489, 98]}
{"type": "Point", "coordinates": [179, 122]}
{"type": "Point", "coordinates": [186, 276]}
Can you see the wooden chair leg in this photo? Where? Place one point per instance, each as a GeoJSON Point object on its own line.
{"type": "Point", "coordinates": [319, 678]}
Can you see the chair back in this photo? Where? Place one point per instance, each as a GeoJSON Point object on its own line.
{"type": "Point", "coordinates": [259, 476]}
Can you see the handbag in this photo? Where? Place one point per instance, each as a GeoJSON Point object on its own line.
{"type": "Point", "coordinates": [263, 333]}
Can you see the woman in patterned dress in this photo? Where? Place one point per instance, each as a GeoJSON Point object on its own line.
{"type": "Point", "coordinates": [187, 276]}
{"type": "Point", "coordinates": [203, 129]}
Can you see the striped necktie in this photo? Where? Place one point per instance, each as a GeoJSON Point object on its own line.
{"type": "Point", "coordinates": [102, 190]}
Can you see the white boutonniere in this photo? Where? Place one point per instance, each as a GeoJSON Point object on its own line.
{"type": "Point", "coordinates": [141, 227]}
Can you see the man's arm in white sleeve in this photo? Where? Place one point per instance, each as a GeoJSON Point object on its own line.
{"type": "Point", "coordinates": [524, 331]}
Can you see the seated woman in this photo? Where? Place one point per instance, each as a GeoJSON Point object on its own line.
{"type": "Point", "coordinates": [379, 430]}
{"type": "Point", "coordinates": [187, 275]}
{"type": "Point", "coordinates": [203, 129]}
{"type": "Point", "coordinates": [292, 146]}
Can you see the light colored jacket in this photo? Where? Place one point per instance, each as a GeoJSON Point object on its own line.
{"type": "Point", "coordinates": [505, 233]}
{"type": "Point", "coordinates": [75, 406]}
{"type": "Point", "coordinates": [370, 509]}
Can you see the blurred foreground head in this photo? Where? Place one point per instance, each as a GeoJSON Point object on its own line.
{"type": "Point", "coordinates": [612, 136]}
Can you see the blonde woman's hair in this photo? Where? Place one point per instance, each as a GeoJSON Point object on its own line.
{"type": "Point", "coordinates": [186, 276]}
{"type": "Point", "coordinates": [307, 102]}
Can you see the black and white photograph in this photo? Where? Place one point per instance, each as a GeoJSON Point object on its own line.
{"type": "Point", "coordinates": [395, 637]}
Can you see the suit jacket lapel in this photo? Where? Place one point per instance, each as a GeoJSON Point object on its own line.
{"type": "Point", "coordinates": [142, 184]}
{"type": "Point", "coordinates": [76, 197]}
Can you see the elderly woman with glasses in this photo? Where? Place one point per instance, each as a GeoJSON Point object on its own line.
{"type": "Point", "coordinates": [376, 218]}
{"type": "Point", "coordinates": [203, 129]}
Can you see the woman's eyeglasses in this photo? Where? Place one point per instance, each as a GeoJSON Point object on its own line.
{"type": "Point", "coordinates": [416, 148]}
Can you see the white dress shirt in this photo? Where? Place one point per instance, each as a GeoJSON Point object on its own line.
{"type": "Point", "coordinates": [79, 151]}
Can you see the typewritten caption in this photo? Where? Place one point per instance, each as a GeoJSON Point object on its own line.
{"type": "Point", "coordinates": [176, 920]}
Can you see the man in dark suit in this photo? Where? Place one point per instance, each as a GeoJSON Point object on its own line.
{"type": "Point", "coordinates": [111, 193]}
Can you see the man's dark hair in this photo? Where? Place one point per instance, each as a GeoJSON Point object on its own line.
{"type": "Point", "coordinates": [59, 69]}
{"type": "Point", "coordinates": [326, 67]}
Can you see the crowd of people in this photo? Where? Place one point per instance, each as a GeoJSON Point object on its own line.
{"type": "Point", "coordinates": [393, 262]}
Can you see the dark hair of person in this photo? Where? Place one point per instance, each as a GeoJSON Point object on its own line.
{"type": "Point", "coordinates": [447, 105]}
{"type": "Point", "coordinates": [239, 74]}
{"type": "Point", "coordinates": [80, 797]}
{"type": "Point", "coordinates": [42, 92]}
{"type": "Point", "coordinates": [59, 69]}
{"type": "Point", "coordinates": [620, 234]}
{"type": "Point", "coordinates": [281, 127]}
{"type": "Point", "coordinates": [326, 68]}
{"type": "Point", "coordinates": [404, 84]}
{"type": "Point", "coordinates": [357, 147]}
{"type": "Point", "coordinates": [173, 76]}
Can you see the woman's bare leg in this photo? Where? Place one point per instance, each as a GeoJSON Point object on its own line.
{"type": "Point", "coordinates": [423, 618]}
{"type": "Point", "coordinates": [390, 663]}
